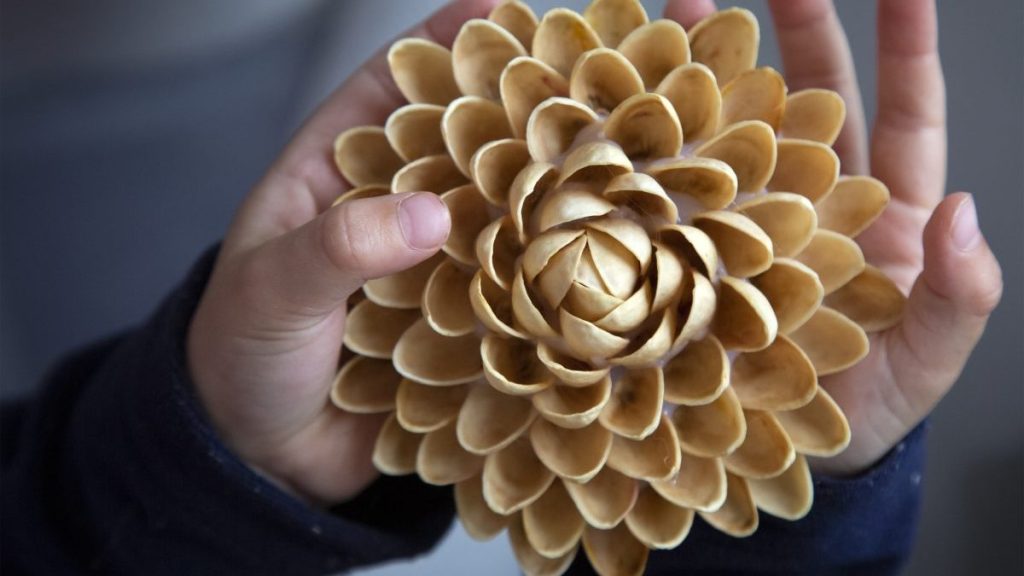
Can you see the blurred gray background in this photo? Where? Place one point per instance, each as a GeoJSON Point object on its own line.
{"type": "Point", "coordinates": [131, 129]}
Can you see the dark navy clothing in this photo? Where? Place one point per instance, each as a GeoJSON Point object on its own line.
{"type": "Point", "coordinates": [113, 468]}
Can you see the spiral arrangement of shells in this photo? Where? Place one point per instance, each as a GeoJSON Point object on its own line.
{"type": "Point", "coordinates": [650, 265]}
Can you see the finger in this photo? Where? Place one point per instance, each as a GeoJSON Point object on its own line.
{"type": "Point", "coordinates": [908, 150]}
{"type": "Point", "coordinates": [689, 12]}
{"type": "Point", "coordinates": [306, 274]}
{"type": "Point", "coordinates": [816, 54]}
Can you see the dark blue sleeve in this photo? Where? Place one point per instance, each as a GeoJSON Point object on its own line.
{"type": "Point", "coordinates": [114, 469]}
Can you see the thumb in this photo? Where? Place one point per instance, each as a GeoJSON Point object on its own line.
{"type": "Point", "coordinates": [947, 309]}
{"type": "Point", "coordinates": [312, 270]}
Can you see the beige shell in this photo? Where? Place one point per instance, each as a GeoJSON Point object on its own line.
{"type": "Point", "coordinates": [646, 126]}
{"type": "Point", "coordinates": [561, 38]}
{"type": "Point", "coordinates": [480, 522]}
{"type": "Point", "coordinates": [814, 114]}
{"type": "Point", "coordinates": [854, 203]}
{"type": "Point", "coordinates": [805, 167]}
{"type": "Point", "coordinates": [788, 495]}
{"type": "Point", "coordinates": [590, 448]}
{"type": "Point", "coordinates": [656, 49]}
{"type": "Point", "coordinates": [424, 409]}
{"type": "Point", "coordinates": [517, 18]}
{"type": "Point", "coordinates": [727, 42]}
{"type": "Point", "coordinates": [605, 499]}
{"type": "Point", "coordinates": [614, 20]}
{"type": "Point", "coordinates": [658, 523]}
{"type": "Point", "coordinates": [656, 457]}
{"type": "Point", "coordinates": [749, 149]}
{"type": "Point", "coordinates": [430, 358]}
{"type": "Point", "coordinates": [552, 523]}
{"type": "Point", "coordinates": [423, 71]}
{"type": "Point", "coordinates": [480, 53]}
{"type": "Point", "coordinates": [364, 156]}
{"type": "Point", "coordinates": [531, 561]}
{"type": "Point", "coordinates": [713, 429]}
{"type": "Point", "coordinates": [524, 84]}
{"type": "Point", "coordinates": [738, 515]}
{"type": "Point", "coordinates": [441, 460]}
{"type": "Point", "coordinates": [489, 422]}
{"type": "Point", "coordinates": [755, 95]}
{"type": "Point", "coordinates": [603, 78]}
{"type": "Point", "coordinates": [698, 374]}
{"type": "Point", "coordinates": [871, 299]}
{"type": "Point", "coordinates": [700, 484]}
{"type": "Point", "coordinates": [414, 131]}
{"type": "Point", "coordinates": [779, 377]}
{"type": "Point", "coordinates": [694, 94]}
{"type": "Point", "coordinates": [514, 478]}
{"type": "Point", "coordinates": [571, 407]}
{"type": "Point", "coordinates": [366, 386]}
{"type": "Point", "coordinates": [615, 551]}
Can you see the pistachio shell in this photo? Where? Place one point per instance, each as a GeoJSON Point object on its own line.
{"type": "Point", "coordinates": [630, 314]}
{"type": "Point", "coordinates": [635, 407]}
{"type": "Point", "coordinates": [814, 114]}
{"type": "Point", "coordinates": [469, 216]}
{"type": "Point", "coordinates": [698, 374]}
{"type": "Point", "coordinates": [749, 149]}
{"type": "Point", "coordinates": [613, 20]}
{"type": "Point", "coordinates": [651, 344]}
{"type": "Point", "coordinates": [606, 499]}
{"type": "Point", "coordinates": [656, 49]}
{"type": "Point", "coordinates": [615, 265]}
{"type": "Point", "coordinates": [793, 290]}
{"type": "Point", "coordinates": [738, 515]}
{"type": "Point", "coordinates": [642, 195]}
{"type": "Point", "coordinates": [551, 260]}
{"type": "Point", "coordinates": [424, 409]}
{"type": "Point", "coordinates": [780, 377]}
{"type": "Point", "coordinates": [497, 248]}
{"type": "Point", "coordinates": [758, 94]}
{"type": "Point", "coordinates": [694, 245]}
{"type": "Point", "coordinates": [788, 496]}
{"type": "Point", "coordinates": [365, 386]}
{"type": "Point", "coordinates": [573, 407]}
{"type": "Point", "coordinates": [656, 457]}
{"type": "Point", "coordinates": [553, 524]}
{"type": "Point", "coordinates": [490, 420]}
{"type": "Point", "coordinates": [711, 182]}
{"type": "Point", "coordinates": [670, 277]}
{"type": "Point", "coordinates": [727, 42]}
{"type": "Point", "coordinates": [368, 191]}
{"type": "Point", "coordinates": [832, 341]}
{"type": "Point", "coordinates": [629, 234]}
{"type": "Point", "coordinates": [855, 202]}
{"type": "Point", "coordinates": [595, 161]}
{"type": "Point", "coordinates": [531, 562]}
{"type": "Point", "coordinates": [517, 18]}
{"type": "Point", "coordinates": [693, 92]}
{"type": "Point", "coordinates": [571, 205]}
{"type": "Point", "coordinates": [568, 370]}
{"type": "Point", "coordinates": [788, 219]}
{"type": "Point", "coordinates": [603, 79]}
{"type": "Point", "coordinates": [657, 523]}
{"type": "Point", "coordinates": [745, 249]}
{"type": "Point", "coordinates": [646, 126]}
{"type": "Point", "coordinates": [492, 305]}
{"type": "Point", "coordinates": [700, 310]}
{"type": "Point", "coordinates": [574, 454]}
{"type": "Point", "coordinates": [834, 258]}
{"type": "Point", "coordinates": [373, 330]}
{"type": "Point", "coordinates": [512, 367]}
{"type": "Point", "coordinates": [414, 131]}
{"type": "Point", "coordinates": [446, 305]}
{"type": "Point", "coordinates": [479, 521]}
{"type": "Point", "coordinates": [495, 166]}
{"type": "Point", "coordinates": [527, 189]}
{"type": "Point", "coordinates": [817, 429]}
{"type": "Point", "coordinates": [586, 340]}
{"type": "Point", "coordinates": [871, 299]}
{"type": "Point", "coordinates": [404, 289]}
{"type": "Point", "coordinates": [526, 312]}
{"type": "Point", "coordinates": [436, 174]}
{"type": "Point", "coordinates": [514, 478]}
{"type": "Point", "coordinates": [525, 84]}
{"type": "Point", "coordinates": [394, 452]}
{"type": "Point", "coordinates": [713, 429]}
{"type": "Point", "coordinates": [423, 71]}
{"type": "Point", "coordinates": [430, 358]}
{"type": "Point", "coordinates": [590, 304]}
{"type": "Point", "coordinates": [469, 123]}
{"type": "Point", "coordinates": [766, 452]}
{"type": "Point", "coordinates": [480, 52]}
{"type": "Point", "coordinates": [441, 460]}
{"type": "Point", "coordinates": [554, 125]}
{"type": "Point", "coordinates": [615, 552]}
{"type": "Point", "coordinates": [561, 38]}
{"type": "Point", "coordinates": [805, 167]}
{"type": "Point", "coordinates": [364, 156]}
{"type": "Point", "coordinates": [700, 484]}
{"type": "Point", "coordinates": [744, 319]}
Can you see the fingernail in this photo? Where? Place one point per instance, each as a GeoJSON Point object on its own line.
{"type": "Point", "coordinates": [965, 233]}
{"type": "Point", "coordinates": [424, 221]}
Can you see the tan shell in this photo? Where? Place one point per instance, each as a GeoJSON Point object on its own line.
{"type": "Point", "coordinates": [805, 167]}
{"type": "Point", "coordinates": [497, 247]}
{"type": "Point", "coordinates": [700, 311]}
{"type": "Point", "coordinates": [711, 182]}
{"type": "Point", "coordinates": [871, 299]}
{"type": "Point", "coordinates": [571, 407]}
{"type": "Point", "coordinates": [656, 49]}
{"type": "Point", "coordinates": [613, 20]}
{"type": "Point", "coordinates": [832, 341]}
{"type": "Point", "coordinates": [615, 552]}
{"type": "Point", "coordinates": [469, 216]}
{"type": "Point", "coordinates": [604, 500]}
{"type": "Point", "coordinates": [512, 367]}
{"type": "Point", "coordinates": [671, 278]}
{"type": "Point", "coordinates": [395, 450]}
{"type": "Point", "coordinates": [745, 249]}
{"type": "Point", "coordinates": [414, 131]}
{"type": "Point", "coordinates": [744, 319]}
{"type": "Point", "coordinates": [814, 114]}
{"type": "Point", "coordinates": [423, 71]}
{"type": "Point", "coordinates": [554, 125]}
{"type": "Point", "coordinates": [430, 358]}
{"type": "Point", "coordinates": [424, 409]}
{"type": "Point", "coordinates": [496, 165]}
{"type": "Point", "coordinates": [589, 452]}
{"type": "Point", "coordinates": [446, 305]}
{"type": "Point", "coordinates": [695, 246]}
{"type": "Point", "coordinates": [658, 523]}
{"type": "Point", "coordinates": [693, 92]}
{"type": "Point", "coordinates": [788, 219]}
{"type": "Point", "coordinates": [514, 478]}
{"type": "Point", "coordinates": [594, 161]}
{"type": "Point", "coordinates": [749, 149]}
{"type": "Point", "coordinates": [553, 524]}
{"type": "Point", "coordinates": [651, 343]}
{"type": "Point", "coordinates": [531, 318]}
{"type": "Point", "coordinates": [441, 460]}
{"type": "Point", "coordinates": [372, 330]}
{"type": "Point", "coordinates": [855, 202]}
{"type": "Point", "coordinates": [364, 156]}
{"type": "Point", "coordinates": [570, 205]}
{"type": "Point", "coordinates": [780, 377]}
{"type": "Point", "coordinates": [404, 289]}
{"type": "Point", "coordinates": [793, 290]}
{"type": "Point", "coordinates": [656, 457]}
{"type": "Point", "coordinates": [437, 174]}
{"type": "Point", "coordinates": [561, 38]}
{"type": "Point", "coordinates": [517, 18]}
{"type": "Point", "coordinates": [489, 421]}
{"type": "Point", "coordinates": [531, 562]}
{"type": "Point", "coordinates": [479, 521]}
{"type": "Point", "coordinates": [643, 195]}
{"type": "Point", "coordinates": [834, 258]}
{"type": "Point", "coordinates": [698, 374]}
{"type": "Point", "coordinates": [646, 126]}
{"type": "Point", "coordinates": [727, 42]}
{"type": "Point", "coordinates": [738, 515]}
{"type": "Point", "coordinates": [713, 429]}
{"type": "Point", "coordinates": [526, 190]}
{"type": "Point", "coordinates": [365, 386]}
{"type": "Point", "coordinates": [700, 484]}
{"type": "Point", "coordinates": [634, 410]}
{"type": "Point", "coordinates": [603, 79]}
{"type": "Point", "coordinates": [818, 428]}
{"type": "Point", "coordinates": [525, 83]}
{"type": "Point", "coordinates": [758, 94]}
{"type": "Point", "coordinates": [469, 123]}
{"type": "Point", "coordinates": [492, 306]}
{"type": "Point", "coordinates": [766, 451]}
{"type": "Point", "coordinates": [568, 370]}
{"type": "Point", "coordinates": [586, 340]}
{"type": "Point", "coordinates": [789, 495]}
{"type": "Point", "coordinates": [479, 54]}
